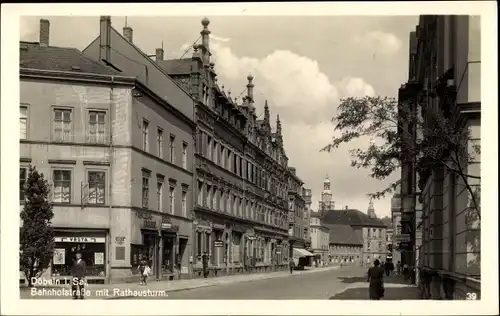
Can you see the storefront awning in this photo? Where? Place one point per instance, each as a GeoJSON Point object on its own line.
{"type": "Point", "coordinates": [299, 252]}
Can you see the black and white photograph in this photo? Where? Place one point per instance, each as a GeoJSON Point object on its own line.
{"type": "Point", "coordinates": [249, 158]}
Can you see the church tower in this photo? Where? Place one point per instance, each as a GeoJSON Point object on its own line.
{"type": "Point", "coordinates": [326, 202]}
{"type": "Point", "coordinates": [371, 210]}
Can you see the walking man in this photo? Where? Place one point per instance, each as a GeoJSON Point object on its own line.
{"type": "Point", "coordinates": [291, 265]}
{"type": "Point", "coordinates": [78, 273]}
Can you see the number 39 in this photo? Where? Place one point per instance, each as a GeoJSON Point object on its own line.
{"type": "Point", "coordinates": [471, 296]}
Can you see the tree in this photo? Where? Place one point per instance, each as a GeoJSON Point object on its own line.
{"type": "Point", "coordinates": [36, 233]}
{"type": "Point", "coordinates": [440, 142]}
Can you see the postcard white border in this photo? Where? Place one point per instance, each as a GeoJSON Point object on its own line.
{"type": "Point", "coordinates": [10, 302]}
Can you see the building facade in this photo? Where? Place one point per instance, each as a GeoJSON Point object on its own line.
{"type": "Point", "coordinates": [96, 134]}
{"type": "Point", "coordinates": [241, 169]}
{"type": "Point", "coordinates": [307, 195]}
{"type": "Point", "coordinates": [344, 246]}
{"type": "Point", "coordinates": [320, 240]}
{"type": "Point", "coordinates": [396, 226]}
{"type": "Point", "coordinates": [445, 61]}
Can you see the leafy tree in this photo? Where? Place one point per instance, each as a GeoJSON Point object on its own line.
{"type": "Point", "coordinates": [36, 233]}
{"type": "Point", "coordinates": [440, 143]}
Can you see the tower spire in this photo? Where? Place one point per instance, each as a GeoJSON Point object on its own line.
{"type": "Point", "coordinates": [266, 112]}
{"type": "Point", "coordinates": [371, 209]}
{"type": "Point", "coordinates": [278, 125]}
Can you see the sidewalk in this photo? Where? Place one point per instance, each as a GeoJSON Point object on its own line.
{"type": "Point", "coordinates": [125, 290]}
{"type": "Point", "coordinates": [395, 289]}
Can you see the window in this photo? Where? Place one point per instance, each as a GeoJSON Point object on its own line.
{"type": "Point", "coordinates": [214, 198]}
{"type": "Point", "coordinates": [159, 142]}
{"type": "Point", "coordinates": [200, 193]}
{"type": "Point", "coordinates": [184, 155]}
{"type": "Point", "coordinates": [171, 199]}
{"type": "Point", "coordinates": [222, 156]}
{"type": "Point", "coordinates": [184, 203]}
{"type": "Point", "coordinates": [172, 148]}
{"type": "Point", "coordinates": [97, 187]}
{"type": "Point", "coordinates": [97, 124]}
{"type": "Point", "coordinates": [62, 186]}
{"type": "Point", "coordinates": [23, 175]}
{"type": "Point", "coordinates": [159, 196]}
{"type": "Point", "coordinates": [145, 191]}
{"type": "Point", "coordinates": [215, 151]}
{"type": "Point", "coordinates": [368, 246]}
{"type": "Point", "coordinates": [206, 94]}
{"type": "Point", "coordinates": [62, 125]}
{"type": "Point", "coordinates": [209, 147]}
{"type": "Point", "coordinates": [23, 122]}
{"type": "Point", "coordinates": [145, 130]}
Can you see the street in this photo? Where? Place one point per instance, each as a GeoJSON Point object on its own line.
{"type": "Point", "coordinates": [324, 283]}
{"type": "Point", "coordinates": [320, 285]}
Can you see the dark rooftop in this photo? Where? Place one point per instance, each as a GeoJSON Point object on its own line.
{"type": "Point", "coordinates": [343, 234]}
{"type": "Point", "coordinates": [176, 66]}
{"type": "Point", "coordinates": [350, 217]}
{"type": "Point", "coordinates": [34, 56]}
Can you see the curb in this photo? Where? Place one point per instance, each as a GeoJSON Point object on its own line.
{"type": "Point", "coordinates": [223, 283]}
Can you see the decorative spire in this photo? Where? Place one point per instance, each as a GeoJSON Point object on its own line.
{"type": "Point", "coordinates": [205, 41]}
{"type": "Point", "coordinates": [371, 209]}
{"type": "Point", "coordinates": [278, 125]}
{"type": "Point", "coordinates": [266, 112]}
{"type": "Point", "coordinates": [250, 88]}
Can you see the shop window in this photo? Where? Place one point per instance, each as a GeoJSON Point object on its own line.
{"type": "Point", "coordinates": [62, 186]}
{"type": "Point", "coordinates": [93, 254]}
{"type": "Point", "coordinates": [97, 187]}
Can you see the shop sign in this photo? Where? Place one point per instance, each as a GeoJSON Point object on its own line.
{"type": "Point", "coordinates": [166, 222]}
{"type": "Point", "coordinates": [81, 239]}
{"type": "Point", "coordinates": [218, 243]}
{"type": "Point", "coordinates": [148, 220]}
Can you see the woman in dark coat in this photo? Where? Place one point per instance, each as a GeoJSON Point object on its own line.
{"type": "Point", "coordinates": [376, 279]}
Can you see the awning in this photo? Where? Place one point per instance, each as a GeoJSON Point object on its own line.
{"type": "Point", "coordinates": [299, 252]}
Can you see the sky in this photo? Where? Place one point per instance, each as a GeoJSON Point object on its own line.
{"type": "Point", "coordinates": [302, 65]}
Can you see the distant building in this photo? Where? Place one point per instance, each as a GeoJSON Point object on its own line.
{"type": "Point", "coordinates": [345, 246]}
{"type": "Point", "coordinates": [396, 225]}
{"type": "Point", "coordinates": [307, 195]}
{"type": "Point", "coordinates": [371, 230]}
{"type": "Point", "coordinates": [320, 238]}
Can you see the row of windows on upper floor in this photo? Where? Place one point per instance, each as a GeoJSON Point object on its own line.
{"type": "Point", "coordinates": [94, 190]}
{"type": "Point", "coordinates": [225, 113]}
{"type": "Point", "coordinates": [98, 132]}
{"type": "Point", "coordinates": [228, 159]}
{"type": "Point", "coordinates": [380, 246]}
{"type": "Point", "coordinates": [345, 249]}
{"type": "Point", "coordinates": [222, 200]}
{"type": "Point", "coordinates": [297, 230]}
{"type": "Point", "coordinates": [374, 232]}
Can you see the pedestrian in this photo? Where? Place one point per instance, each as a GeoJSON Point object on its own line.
{"type": "Point", "coordinates": [291, 265]}
{"type": "Point", "coordinates": [376, 280]}
{"type": "Point", "coordinates": [78, 273]}
{"type": "Point", "coordinates": [144, 270]}
{"type": "Point", "coordinates": [406, 272]}
{"type": "Point", "coordinates": [391, 268]}
{"type": "Point", "coordinates": [387, 267]}
{"type": "Point", "coordinates": [398, 268]}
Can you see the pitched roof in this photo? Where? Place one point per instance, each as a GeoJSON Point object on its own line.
{"type": "Point", "coordinates": [176, 66]}
{"type": "Point", "coordinates": [34, 56]}
{"type": "Point", "coordinates": [350, 217]}
{"type": "Point", "coordinates": [343, 234]}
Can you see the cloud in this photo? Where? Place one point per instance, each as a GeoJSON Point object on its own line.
{"type": "Point", "coordinates": [219, 39]}
{"type": "Point", "coordinates": [306, 100]}
{"type": "Point", "coordinates": [379, 42]}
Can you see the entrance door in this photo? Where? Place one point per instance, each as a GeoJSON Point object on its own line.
{"type": "Point", "coordinates": [182, 250]}
{"type": "Point", "coordinates": [168, 250]}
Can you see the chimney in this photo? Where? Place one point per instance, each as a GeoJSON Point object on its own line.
{"type": "Point", "coordinates": [346, 207]}
{"type": "Point", "coordinates": [105, 38]}
{"type": "Point", "coordinates": [127, 33]}
{"type": "Point", "coordinates": [292, 170]}
{"type": "Point", "coordinates": [159, 54]}
{"type": "Point", "coordinates": [44, 32]}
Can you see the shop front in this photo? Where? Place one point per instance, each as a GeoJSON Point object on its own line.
{"type": "Point", "coordinates": [160, 245]}
{"type": "Point", "coordinates": [91, 245]}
